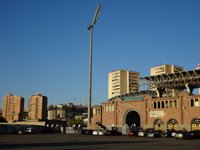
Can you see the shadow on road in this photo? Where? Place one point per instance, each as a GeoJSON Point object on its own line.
{"type": "Point", "coordinates": [64, 144]}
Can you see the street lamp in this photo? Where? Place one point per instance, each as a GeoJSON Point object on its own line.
{"type": "Point", "coordinates": [90, 27]}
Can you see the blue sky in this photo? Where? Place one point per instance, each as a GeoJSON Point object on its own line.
{"type": "Point", "coordinates": [44, 44]}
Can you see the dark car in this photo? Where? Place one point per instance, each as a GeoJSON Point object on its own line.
{"type": "Point", "coordinates": [28, 131]}
{"type": "Point", "coordinates": [154, 133]}
{"type": "Point", "coordinates": [85, 132]}
{"type": "Point", "coordinates": [112, 132]}
{"type": "Point", "coordinates": [194, 134]}
{"type": "Point", "coordinates": [133, 133]}
{"type": "Point", "coordinates": [169, 133]}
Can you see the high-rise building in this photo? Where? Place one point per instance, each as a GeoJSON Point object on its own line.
{"type": "Point", "coordinates": [165, 69]}
{"type": "Point", "coordinates": [122, 82]}
{"type": "Point", "coordinates": [13, 108]}
{"type": "Point", "coordinates": [37, 107]}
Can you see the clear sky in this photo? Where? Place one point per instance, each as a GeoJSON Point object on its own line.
{"type": "Point", "coordinates": [44, 44]}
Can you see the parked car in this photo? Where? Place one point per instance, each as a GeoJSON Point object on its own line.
{"type": "Point", "coordinates": [194, 134]}
{"type": "Point", "coordinates": [98, 132]}
{"type": "Point", "coordinates": [141, 133]}
{"type": "Point", "coordinates": [112, 132]}
{"type": "Point", "coordinates": [133, 133]}
{"type": "Point", "coordinates": [154, 133]}
{"type": "Point", "coordinates": [27, 131]}
{"type": "Point", "coordinates": [168, 133]}
{"type": "Point", "coordinates": [101, 132]}
{"type": "Point", "coordinates": [86, 132]}
{"type": "Point", "coordinates": [182, 134]}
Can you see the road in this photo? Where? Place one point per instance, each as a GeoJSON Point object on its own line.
{"type": "Point", "coordinates": [84, 142]}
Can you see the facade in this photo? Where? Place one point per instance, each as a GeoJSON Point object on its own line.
{"type": "Point", "coordinates": [65, 112]}
{"type": "Point", "coordinates": [56, 112]}
{"type": "Point", "coordinates": [155, 108]}
{"type": "Point", "coordinates": [182, 111]}
{"type": "Point", "coordinates": [13, 107]}
{"type": "Point", "coordinates": [121, 82]}
{"type": "Point", "coordinates": [37, 107]}
{"type": "Point", "coordinates": [165, 69]}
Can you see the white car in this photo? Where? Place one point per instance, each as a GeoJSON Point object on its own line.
{"type": "Point", "coordinates": [98, 132]}
{"type": "Point", "coordinates": [141, 133]}
{"type": "Point", "coordinates": [95, 132]}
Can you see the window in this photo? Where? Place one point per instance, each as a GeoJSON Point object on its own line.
{"type": "Point", "coordinates": [196, 102]}
{"type": "Point", "coordinates": [158, 104]}
{"type": "Point", "coordinates": [154, 105]}
{"type": "Point", "coordinates": [166, 104]}
{"type": "Point", "coordinates": [192, 103]}
{"type": "Point", "coordinates": [162, 104]}
{"type": "Point", "coordinates": [175, 104]}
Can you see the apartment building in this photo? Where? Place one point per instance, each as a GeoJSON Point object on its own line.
{"type": "Point", "coordinates": [121, 82]}
{"type": "Point", "coordinates": [13, 107]}
{"type": "Point", "coordinates": [37, 107]}
{"type": "Point", "coordinates": [165, 69]}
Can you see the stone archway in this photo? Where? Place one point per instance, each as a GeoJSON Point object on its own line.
{"type": "Point", "coordinates": [133, 119]}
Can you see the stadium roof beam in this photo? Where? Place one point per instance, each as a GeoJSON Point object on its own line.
{"type": "Point", "coordinates": [188, 80]}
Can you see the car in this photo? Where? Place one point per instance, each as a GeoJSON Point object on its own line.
{"type": "Point", "coordinates": [112, 132]}
{"type": "Point", "coordinates": [194, 134]}
{"type": "Point", "coordinates": [98, 132]}
{"type": "Point", "coordinates": [154, 133]}
{"type": "Point", "coordinates": [168, 133]}
{"type": "Point", "coordinates": [133, 133]}
{"type": "Point", "coordinates": [141, 133]}
{"type": "Point", "coordinates": [101, 132]}
{"type": "Point", "coordinates": [95, 132]}
{"type": "Point", "coordinates": [182, 134]}
{"type": "Point", "coordinates": [27, 131]}
{"type": "Point", "coordinates": [86, 132]}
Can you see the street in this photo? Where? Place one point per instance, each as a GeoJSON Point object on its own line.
{"type": "Point", "coordinates": [83, 142]}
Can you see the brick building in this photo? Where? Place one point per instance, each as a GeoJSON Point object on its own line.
{"type": "Point", "coordinates": [182, 111]}
{"type": "Point", "coordinates": [37, 107]}
{"type": "Point", "coordinates": [156, 108]}
{"type": "Point", "coordinates": [13, 107]}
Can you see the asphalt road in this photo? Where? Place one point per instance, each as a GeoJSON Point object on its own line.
{"type": "Point", "coordinates": [84, 142]}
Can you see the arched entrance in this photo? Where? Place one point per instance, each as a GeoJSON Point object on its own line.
{"type": "Point", "coordinates": [196, 124]}
{"type": "Point", "coordinates": [132, 119]}
{"type": "Point", "coordinates": [158, 124]}
{"type": "Point", "coordinates": [172, 124]}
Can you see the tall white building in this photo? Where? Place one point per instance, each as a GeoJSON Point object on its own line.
{"type": "Point", "coordinates": [122, 82]}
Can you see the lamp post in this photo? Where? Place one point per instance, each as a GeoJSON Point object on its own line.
{"type": "Point", "coordinates": [90, 27]}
